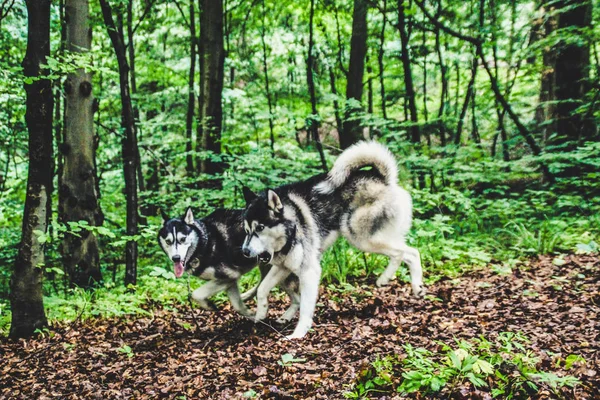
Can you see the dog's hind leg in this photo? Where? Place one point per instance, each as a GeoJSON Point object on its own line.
{"type": "Point", "coordinates": [273, 278]}
{"type": "Point", "coordinates": [412, 257]}
{"type": "Point", "coordinates": [236, 300]}
{"type": "Point", "coordinates": [209, 289]}
{"type": "Point", "coordinates": [290, 287]}
{"type": "Point", "coordinates": [390, 271]}
{"type": "Point", "coordinates": [309, 275]}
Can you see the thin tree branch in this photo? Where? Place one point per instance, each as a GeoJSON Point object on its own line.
{"type": "Point", "coordinates": [450, 31]}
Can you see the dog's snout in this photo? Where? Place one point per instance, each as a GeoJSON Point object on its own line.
{"type": "Point", "coordinates": [176, 258]}
{"type": "Point", "coordinates": [246, 252]}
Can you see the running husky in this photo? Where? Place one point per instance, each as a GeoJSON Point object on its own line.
{"type": "Point", "coordinates": [211, 248]}
{"type": "Point", "coordinates": [291, 226]}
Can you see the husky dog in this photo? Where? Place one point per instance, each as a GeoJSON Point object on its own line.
{"type": "Point", "coordinates": [211, 248]}
{"type": "Point", "coordinates": [292, 225]}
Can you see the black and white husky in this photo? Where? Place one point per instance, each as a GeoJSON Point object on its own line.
{"type": "Point", "coordinates": [211, 249]}
{"type": "Point", "coordinates": [292, 225]}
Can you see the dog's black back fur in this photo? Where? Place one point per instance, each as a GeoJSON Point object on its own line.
{"type": "Point", "coordinates": [326, 208]}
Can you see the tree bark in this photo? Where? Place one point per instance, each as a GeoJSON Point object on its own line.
{"type": "Point", "coordinates": [572, 70]}
{"type": "Point", "coordinates": [136, 112]}
{"type": "Point", "coordinates": [128, 143]}
{"type": "Point", "coordinates": [414, 133]}
{"type": "Point", "coordinates": [77, 195]}
{"type": "Point", "coordinates": [352, 131]}
{"type": "Point", "coordinates": [314, 119]}
{"type": "Point", "coordinates": [544, 112]}
{"type": "Point", "coordinates": [267, 91]}
{"type": "Point", "coordinates": [212, 58]}
{"type": "Point", "coordinates": [465, 106]}
{"type": "Point", "coordinates": [500, 112]}
{"type": "Point", "coordinates": [380, 55]}
{"type": "Point", "coordinates": [26, 297]}
{"type": "Point", "coordinates": [336, 103]}
{"type": "Point", "coordinates": [189, 122]}
{"type": "Point", "coordinates": [444, 83]}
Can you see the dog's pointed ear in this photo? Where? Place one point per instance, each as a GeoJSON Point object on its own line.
{"type": "Point", "coordinates": [164, 216]}
{"type": "Point", "coordinates": [249, 195]}
{"type": "Point", "coordinates": [189, 216]}
{"type": "Point", "coordinates": [274, 201]}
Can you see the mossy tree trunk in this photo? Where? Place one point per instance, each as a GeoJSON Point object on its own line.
{"type": "Point", "coordinates": [78, 196]}
{"type": "Point", "coordinates": [212, 58]}
{"type": "Point", "coordinates": [128, 143]}
{"type": "Point", "coordinates": [352, 130]}
{"type": "Point", "coordinates": [26, 297]}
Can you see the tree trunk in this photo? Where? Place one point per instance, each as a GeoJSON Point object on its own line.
{"type": "Point", "coordinates": [314, 119]}
{"type": "Point", "coordinates": [414, 133]}
{"type": "Point", "coordinates": [352, 131]}
{"type": "Point", "coordinates": [189, 122]}
{"type": "Point", "coordinates": [380, 55]}
{"type": "Point", "coordinates": [129, 143]}
{"type": "Point", "coordinates": [444, 84]}
{"type": "Point", "coordinates": [336, 103]}
{"type": "Point", "coordinates": [212, 58]}
{"type": "Point", "coordinates": [267, 91]}
{"type": "Point", "coordinates": [369, 88]}
{"type": "Point", "coordinates": [465, 106]}
{"type": "Point", "coordinates": [544, 112]}
{"type": "Point", "coordinates": [425, 110]}
{"type": "Point", "coordinates": [78, 198]}
{"type": "Point", "coordinates": [572, 69]}
{"type": "Point", "coordinates": [26, 297]}
{"type": "Point", "coordinates": [500, 112]}
{"type": "Point", "coordinates": [474, 128]}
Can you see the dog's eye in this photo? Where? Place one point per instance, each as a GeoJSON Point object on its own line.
{"type": "Point", "coordinates": [259, 228]}
{"type": "Point", "coordinates": [168, 242]}
{"type": "Point", "coordinates": [182, 239]}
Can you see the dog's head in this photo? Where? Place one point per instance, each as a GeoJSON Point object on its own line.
{"type": "Point", "coordinates": [179, 238]}
{"type": "Point", "coordinates": [264, 225]}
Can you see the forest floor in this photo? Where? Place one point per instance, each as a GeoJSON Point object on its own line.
{"type": "Point", "coordinates": [229, 357]}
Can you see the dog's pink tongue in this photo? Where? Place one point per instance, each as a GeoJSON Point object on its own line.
{"type": "Point", "coordinates": [178, 266]}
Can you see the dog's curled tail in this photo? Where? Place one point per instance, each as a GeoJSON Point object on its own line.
{"type": "Point", "coordinates": [357, 156]}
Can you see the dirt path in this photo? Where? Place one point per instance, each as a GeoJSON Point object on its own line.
{"type": "Point", "coordinates": [556, 306]}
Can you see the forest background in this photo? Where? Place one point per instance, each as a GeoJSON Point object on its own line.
{"type": "Point", "coordinates": [135, 106]}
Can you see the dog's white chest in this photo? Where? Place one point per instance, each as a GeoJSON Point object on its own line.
{"type": "Point", "coordinates": [208, 274]}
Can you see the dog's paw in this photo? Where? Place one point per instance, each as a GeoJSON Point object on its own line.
{"type": "Point", "coordinates": [382, 281]}
{"type": "Point", "coordinates": [419, 291]}
{"type": "Point", "coordinates": [259, 316]}
{"type": "Point", "coordinates": [247, 313]}
{"type": "Point", "coordinates": [282, 320]}
{"type": "Point", "coordinates": [294, 336]}
{"type": "Point", "coordinates": [207, 305]}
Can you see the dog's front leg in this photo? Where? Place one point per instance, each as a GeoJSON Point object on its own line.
{"type": "Point", "coordinates": [209, 289]}
{"type": "Point", "coordinates": [264, 270]}
{"type": "Point", "coordinates": [309, 275]}
{"type": "Point", "coordinates": [235, 298]}
{"type": "Point", "coordinates": [274, 277]}
{"type": "Point", "coordinates": [290, 286]}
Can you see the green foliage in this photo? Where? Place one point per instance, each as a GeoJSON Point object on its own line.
{"type": "Point", "coordinates": [288, 359]}
{"type": "Point", "coordinates": [126, 350]}
{"type": "Point", "coordinates": [506, 367]}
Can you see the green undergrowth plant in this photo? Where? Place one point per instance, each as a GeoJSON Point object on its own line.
{"type": "Point", "coordinates": [505, 367]}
